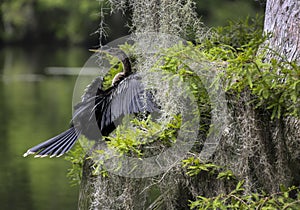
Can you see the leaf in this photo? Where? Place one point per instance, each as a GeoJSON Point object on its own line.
{"type": "Point", "coordinates": [265, 93]}
{"type": "Point", "coordinates": [283, 188]}
{"type": "Point", "coordinates": [239, 185]}
{"type": "Point", "coordinates": [274, 112]}
{"type": "Point", "coordinates": [294, 85]}
{"type": "Point", "coordinates": [294, 96]}
{"type": "Point", "coordinates": [226, 174]}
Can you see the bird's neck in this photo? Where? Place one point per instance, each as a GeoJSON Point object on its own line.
{"type": "Point", "coordinates": [118, 78]}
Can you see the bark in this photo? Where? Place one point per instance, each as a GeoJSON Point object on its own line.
{"type": "Point", "coordinates": [282, 20]}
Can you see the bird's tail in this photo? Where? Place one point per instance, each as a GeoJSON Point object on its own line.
{"type": "Point", "coordinates": [56, 146]}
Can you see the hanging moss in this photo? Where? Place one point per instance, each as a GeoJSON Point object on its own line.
{"type": "Point", "coordinates": [255, 151]}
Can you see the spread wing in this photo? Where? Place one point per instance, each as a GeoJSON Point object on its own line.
{"type": "Point", "coordinates": [84, 108]}
{"type": "Point", "coordinates": [99, 110]}
{"type": "Point", "coordinates": [62, 143]}
{"type": "Point", "coordinates": [127, 97]}
{"type": "Point", "coordinates": [84, 113]}
{"type": "Point", "coordinates": [102, 109]}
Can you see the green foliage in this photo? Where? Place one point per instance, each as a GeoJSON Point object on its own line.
{"type": "Point", "coordinates": [279, 88]}
{"type": "Point", "coordinates": [98, 165]}
{"type": "Point", "coordinates": [242, 63]}
{"type": "Point", "coordinates": [174, 64]}
{"type": "Point", "coordinates": [144, 133]}
{"type": "Point", "coordinates": [137, 138]}
{"type": "Point", "coordinates": [76, 158]}
{"type": "Point", "coordinates": [195, 166]}
{"type": "Point", "coordinates": [239, 199]}
{"type": "Point", "coordinates": [238, 33]}
{"type": "Point", "coordinates": [274, 85]}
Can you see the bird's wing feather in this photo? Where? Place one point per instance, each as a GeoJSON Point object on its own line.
{"type": "Point", "coordinates": [127, 97]}
{"type": "Point", "coordinates": [91, 89]}
{"type": "Point", "coordinates": [63, 142]}
{"type": "Point", "coordinates": [57, 145]}
{"type": "Point", "coordinates": [83, 108]}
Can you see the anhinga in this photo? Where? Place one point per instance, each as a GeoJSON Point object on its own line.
{"type": "Point", "coordinates": [104, 107]}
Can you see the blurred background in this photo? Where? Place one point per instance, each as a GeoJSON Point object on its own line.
{"type": "Point", "coordinates": [38, 37]}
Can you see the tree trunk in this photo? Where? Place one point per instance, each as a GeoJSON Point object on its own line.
{"type": "Point", "coordinates": [275, 144]}
{"type": "Point", "coordinates": [282, 20]}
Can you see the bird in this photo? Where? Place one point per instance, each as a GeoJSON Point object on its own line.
{"type": "Point", "coordinates": [100, 110]}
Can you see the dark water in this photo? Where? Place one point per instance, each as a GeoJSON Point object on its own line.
{"type": "Point", "coordinates": [35, 106]}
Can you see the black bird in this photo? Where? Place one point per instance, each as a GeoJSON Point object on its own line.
{"type": "Point", "coordinates": [100, 110]}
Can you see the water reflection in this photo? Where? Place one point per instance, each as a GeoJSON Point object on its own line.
{"type": "Point", "coordinates": [33, 107]}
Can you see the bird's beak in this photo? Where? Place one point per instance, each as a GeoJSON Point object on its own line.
{"type": "Point", "coordinates": [94, 50]}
